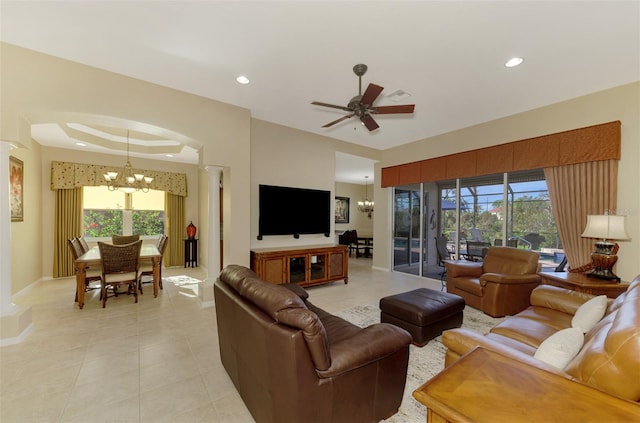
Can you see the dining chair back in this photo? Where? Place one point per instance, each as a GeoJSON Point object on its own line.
{"type": "Point", "coordinates": [443, 254]}
{"type": "Point", "coordinates": [146, 270]}
{"type": "Point", "coordinates": [83, 243]}
{"type": "Point", "coordinates": [92, 275]}
{"type": "Point", "coordinates": [119, 267]}
{"type": "Point", "coordinates": [124, 239]}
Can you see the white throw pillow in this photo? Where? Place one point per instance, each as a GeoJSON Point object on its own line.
{"type": "Point", "coordinates": [590, 313]}
{"type": "Point", "coordinates": [560, 348]}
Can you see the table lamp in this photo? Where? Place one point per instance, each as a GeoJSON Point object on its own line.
{"type": "Point", "coordinates": [606, 227]}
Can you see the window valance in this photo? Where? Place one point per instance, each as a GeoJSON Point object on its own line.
{"type": "Point", "coordinates": [67, 175]}
{"type": "Point", "coordinates": [582, 145]}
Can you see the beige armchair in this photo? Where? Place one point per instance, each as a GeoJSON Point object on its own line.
{"type": "Point", "coordinates": [500, 285]}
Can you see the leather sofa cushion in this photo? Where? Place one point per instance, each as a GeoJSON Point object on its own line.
{"type": "Point", "coordinates": [549, 317]}
{"type": "Point", "coordinates": [553, 297]}
{"type": "Point", "coordinates": [609, 358]}
{"type": "Point", "coordinates": [527, 331]}
{"type": "Point", "coordinates": [284, 306]}
{"type": "Point", "coordinates": [470, 285]}
{"type": "Point", "coordinates": [269, 297]}
{"type": "Point", "coordinates": [234, 275]}
{"type": "Point", "coordinates": [510, 261]}
{"type": "Point", "coordinates": [337, 329]}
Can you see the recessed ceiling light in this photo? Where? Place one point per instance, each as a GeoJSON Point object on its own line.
{"type": "Point", "coordinates": [243, 80]}
{"type": "Point", "coordinates": [169, 155]}
{"type": "Point", "coordinates": [81, 144]}
{"type": "Point", "coordinates": [513, 62]}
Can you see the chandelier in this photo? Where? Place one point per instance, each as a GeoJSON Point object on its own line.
{"type": "Point", "coordinates": [132, 181]}
{"type": "Point", "coordinates": [366, 205]}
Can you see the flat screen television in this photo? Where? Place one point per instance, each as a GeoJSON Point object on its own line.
{"type": "Point", "coordinates": [293, 211]}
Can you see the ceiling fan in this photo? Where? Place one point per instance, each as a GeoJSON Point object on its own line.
{"type": "Point", "coordinates": [362, 104]}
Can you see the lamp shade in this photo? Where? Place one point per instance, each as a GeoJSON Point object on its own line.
{"type": "Point", "coordinates": [605, 226]}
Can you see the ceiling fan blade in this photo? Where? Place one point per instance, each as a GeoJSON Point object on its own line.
{"type": "Point", "coordinates": [338, 120]}
{"type": "Point", "coordinates": [317, 103]}
{"type": "Point", "coordinates": [370, 95]}
{"type": "Point", "coordinates": [388, 110]}
{"type": "Point", "coordinates": [369, 122]}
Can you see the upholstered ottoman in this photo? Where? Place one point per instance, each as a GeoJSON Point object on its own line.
{"type": "Point", "coordinates": [424, 313]}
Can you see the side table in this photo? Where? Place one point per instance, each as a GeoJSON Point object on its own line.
{"type": "Point", "coordinates": [583, 283]}
{"type": "Point", "coordinates": [191, 252]}
{"type": "Point", "coordinates": [484, 386]}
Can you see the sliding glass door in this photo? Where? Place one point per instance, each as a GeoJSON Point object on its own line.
{"type": "Point", "coordinates": [406, 231]}
{"type": "Point", "coordinates": [472, 214]}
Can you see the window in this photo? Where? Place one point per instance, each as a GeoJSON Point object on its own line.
{"type": "Point", "coordinates": [106, 213]}
{"type": "Point", "coordinates": [510, 209]}
{"type": "Point", "coordinates": [527, 220]}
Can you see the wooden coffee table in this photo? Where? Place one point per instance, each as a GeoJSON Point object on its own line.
{"type": "Point", "coordinates": [484, 386]}
{"type": "Point", "coordinates": [583, 283]}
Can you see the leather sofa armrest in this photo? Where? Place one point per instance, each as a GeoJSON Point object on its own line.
{"type": "Point", "coordinates": [508, 279]}
{"type": "Point", "coordinates": [458, 269]}
{"type": "Point", "coordinates": [560, 299]}
{"type": "Point", "coordinates": [367, 346]}
{"type": "Point", "coordinates": [463, 341]}
{"type": "Point", "coordinates": [298, 290]}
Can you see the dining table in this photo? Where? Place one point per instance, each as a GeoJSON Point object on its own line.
{"type": "Point", "coordinates": [148, 253]}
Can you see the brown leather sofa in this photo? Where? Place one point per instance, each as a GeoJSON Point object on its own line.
{"type": "Point", "coordinates": [500, 284]}
{"type": "Point", "coordinates": [294, 362]}
{"type": "Point", "coordinates": [609, 360]}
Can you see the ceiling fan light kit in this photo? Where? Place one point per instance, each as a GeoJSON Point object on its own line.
{"type": "Point", "coordinates": [362, 104]}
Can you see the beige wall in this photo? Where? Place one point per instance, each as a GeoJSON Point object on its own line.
{"type": "Point", "coordinates": [620, 103]}
{"type": "Point", "coordinates": [357, 220]}
{"type": "Point", "coordinates": [50, 154]}
{"type": "Point", "coordinates": [288, 157]}
{"type": "Point", "coordinates": [38, 88]}
{"type": "Point", "coordinates": [27, 236]}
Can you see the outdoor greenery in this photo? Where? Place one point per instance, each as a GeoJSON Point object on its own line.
{"type": "Point", "coordinates": [530, 215]}
{"type": "Point", "coordinates": [104, 223]}
{"type": "Point", "coordinates": [148, 222]}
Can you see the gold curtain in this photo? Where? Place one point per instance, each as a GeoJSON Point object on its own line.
{"type": "Point", "coordinates": [68, 224]}
{"type": "Point", "coordinates": [175, 226]}
{"type": "Point", "coordinates": [576, 191]}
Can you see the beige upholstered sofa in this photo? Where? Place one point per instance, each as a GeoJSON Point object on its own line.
{"type": "Point", "coordinates": [500, 284]}
{"type": "Point", "coordinates": [609, 359]}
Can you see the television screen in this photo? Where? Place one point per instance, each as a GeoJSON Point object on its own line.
{"type": "Point", "coordinates": [293, 211]}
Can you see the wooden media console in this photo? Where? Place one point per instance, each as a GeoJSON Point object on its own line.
{"type": "Point", "coordinates": [306, 266]}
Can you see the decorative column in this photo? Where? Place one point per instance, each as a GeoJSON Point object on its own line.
{"type": "Point", "coordinates": [215, 173]}
{"type": "Point", "coordinates": [213, 248]}
{"type": "Point", "coordinates": [15, 321]}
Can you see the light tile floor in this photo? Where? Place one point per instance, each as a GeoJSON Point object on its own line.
{"type": "Point", "coordinates": [155, 361]}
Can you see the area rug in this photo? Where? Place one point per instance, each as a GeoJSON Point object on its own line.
{"type": "Point", "coordinates": [425, 362]}
{"type": "Point", "coordinates": [181, 280]}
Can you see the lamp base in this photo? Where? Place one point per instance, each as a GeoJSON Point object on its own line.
{"type": "Point", "coordinates": [603, 263]}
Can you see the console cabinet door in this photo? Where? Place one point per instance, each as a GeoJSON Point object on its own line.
{"type": "Point", "coordinates": [337, 265]}
{"type": "Point", "coordinates": [273, 270]}
{"type": "Point", "coordinates": [317, 267]}
{"type": "Point", "coordinates": [298, 269]}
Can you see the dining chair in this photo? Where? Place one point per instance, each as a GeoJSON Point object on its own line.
{"type": "Point", "coordinates": [443, 254]}
{"type": "Point", "coordinates": [83, 243]}
{"type": "Point", "coordinates": [147, 268]}
{"type": "Point", "coordinates": [92, 275]}
{"type": "Point", "coordinates": [119, 267]}
{"type": "Point", "coordinates": [124, 239]}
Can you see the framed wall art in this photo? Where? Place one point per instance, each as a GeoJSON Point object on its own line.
{"type": "Point", "coordinates": [16, 178]}
{"type": "Point", "coordinates": [342, 210]}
